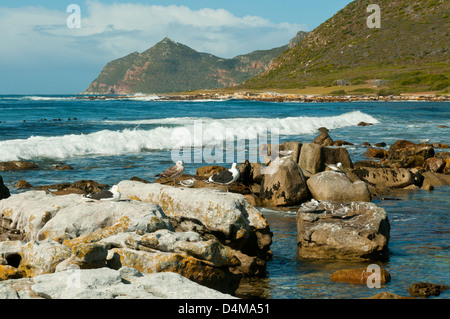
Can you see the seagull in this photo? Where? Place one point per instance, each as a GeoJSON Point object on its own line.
{"type": "Point", "coordinates": [337, 167]}
{"type": "Point", "coordinates": [173, 172]}
{"type": "Point", "coordinates": [424, 141]}
{"type": "Point", "coordinates": [111, 195]}
{"type": "Point", "coordinates": [188, 183]}
{"type": "Point", "coordinates": [285, 153]}
{"type": "Point", "coordinates": [225, 177]}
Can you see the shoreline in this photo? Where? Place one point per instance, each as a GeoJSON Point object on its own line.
{"type": "Point", "coordinates": [273, 97]}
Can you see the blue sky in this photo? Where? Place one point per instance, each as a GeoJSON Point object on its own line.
{"type": "Point", "coordinates": [41, 55]}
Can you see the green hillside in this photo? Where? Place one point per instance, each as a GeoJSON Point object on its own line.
{"type": "Point", "coordinates": [173, 67]}
{"type": "Point", "coordinates": [409, 53]}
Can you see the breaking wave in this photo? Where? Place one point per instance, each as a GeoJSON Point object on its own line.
{"type": "Point", "coordinates": [168, 134]}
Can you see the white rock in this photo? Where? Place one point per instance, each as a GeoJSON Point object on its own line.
{"type": "Point", "coordinates": [41, 215]}
{"type": "Point", "coordinates": [215, 211]}
{"type": "Point", "coordinates": [105, 283]}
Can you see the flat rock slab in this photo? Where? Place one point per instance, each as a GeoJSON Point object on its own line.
{"type": "Point", "coordinates": [105, 283]}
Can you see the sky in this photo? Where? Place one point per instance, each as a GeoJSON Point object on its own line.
{"type": "Point", "coordinates": [40, 53]}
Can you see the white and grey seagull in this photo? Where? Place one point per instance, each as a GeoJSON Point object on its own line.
{"type": "Point", "coordinates": [225, 177]}
{"type": "Point", "coordinates": [173, 172]}
{"type": "Point", "coordinates": [106, 195]}
{"type": "Point", "coordinates": [338, 167]}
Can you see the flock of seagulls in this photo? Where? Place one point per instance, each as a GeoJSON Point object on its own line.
{"type": "Point", "coordinates": [225, 177]}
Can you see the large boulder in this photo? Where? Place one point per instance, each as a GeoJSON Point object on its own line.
{"type": "Point", "coordinates": [350, 231]}
{"type": "Point", "coordinates": [337, 186]}
{"type": "Point", "coordinates": [227, 217]}
{"type": "Point", "coordinates": [314, 157]}
{"type": "Point", "coordinates": [283, 184]}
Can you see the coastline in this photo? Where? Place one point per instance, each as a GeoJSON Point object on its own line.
{"type": "Point", "coordinates": [273, 97]}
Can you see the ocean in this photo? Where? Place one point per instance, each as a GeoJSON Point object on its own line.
{"type": "Point", "coordinates": [111, 140]}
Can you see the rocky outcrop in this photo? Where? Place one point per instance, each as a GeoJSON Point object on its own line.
{"type": "Point", "coordinates": [406, 154]}
{"type": "Point", "coordinates": [350, 231]}
{"type": "Point", "coordinates": [424, 289]}
{"type": "Point", "coordinates": [17, 166]}
{"type": "Point", "coordinates": [283, 183]}
{"type": "Point", "coordinates": [227, 217]}
{"type": "Point", "coordinates": [106, 283]}
{"type": "Point", "coordinates": [337, 186]}
{"type": "Point", "coordinates": [217, 239]}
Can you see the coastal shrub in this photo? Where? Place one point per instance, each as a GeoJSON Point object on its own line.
{"type": "Point", "coordinates": [363, 91]}
{"type": "Point", "coordinates": [338, 92]}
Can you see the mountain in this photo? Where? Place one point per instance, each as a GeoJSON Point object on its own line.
{"type": "Point", "coordinates": [408, 53]}
{"type": "Point", "coordinates": [170, 67]}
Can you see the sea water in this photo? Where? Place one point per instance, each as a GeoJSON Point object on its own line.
{"type": "Point", "coordinates": [115, 139]}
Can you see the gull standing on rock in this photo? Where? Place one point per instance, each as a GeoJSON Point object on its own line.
{"type": "Point", "coordinates": [225, 177]}
{"type": "Point", "coordinates": [111, 195]}
{"type": "Point", "coordinates": [173, 172]}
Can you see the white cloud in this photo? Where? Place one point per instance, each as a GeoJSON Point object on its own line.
{"type": "Point", "coordinates": [112, 30]}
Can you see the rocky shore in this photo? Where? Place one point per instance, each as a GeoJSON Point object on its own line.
{"type": "Point", "coordinates": [277, 97]}
{"type": "Point", "coordinates": [201, 237]}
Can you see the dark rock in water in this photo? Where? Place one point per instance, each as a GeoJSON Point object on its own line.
{"type": "Point", "coordinates": [426, 289]}
{"type": "Point", "coordinates": [23, 184]}
{"type": "Point", "coordinates": [323, 138]}
{"type": "Point", "coordinates": [62, 167]}
{"type": "Point", "coordinates": [17, 166]}
{"type": "Point", "coordinates": [358, 276]}
{"type": "Point", "coordinates": [376, 153]}
{"type": "Point", "coordinates": [341, 143]}
{"type": "Point", "coordinates": [364, 124]}
{"type": "Point", "coordinates": [382, 144]}
{"type": "Point", "coordinates": [4, 191]}
{"type": "Point", "coordinates": [406, 154]}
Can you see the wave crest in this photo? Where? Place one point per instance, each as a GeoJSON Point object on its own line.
{"type": "Point", "coordinates": [169, 133]}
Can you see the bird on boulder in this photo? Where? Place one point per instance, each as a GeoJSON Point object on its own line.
{"type": "Point", "coordinates": [173, 172]}
{"type": "Point", "coordinates": [107, 195]}
{"type": "Point", "coordinates": [337, 168]}
{"type": "Point", "coordinates": [225, 177]}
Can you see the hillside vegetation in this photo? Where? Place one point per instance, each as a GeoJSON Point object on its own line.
{"type": "Point", "coordinates": [409, 52]}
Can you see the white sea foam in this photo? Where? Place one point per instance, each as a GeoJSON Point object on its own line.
{"type": "Point", "coordinates": [168, 134]}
